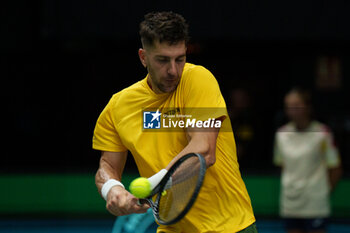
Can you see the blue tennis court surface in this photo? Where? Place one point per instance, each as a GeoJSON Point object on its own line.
{"type": "Point", "coordinates": [56, 226]}
{"type": "Point", "coordinates": [123, 225]}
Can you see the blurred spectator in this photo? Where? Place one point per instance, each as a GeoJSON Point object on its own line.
{"type": "Point", "coordinates": [243, 125]}
{"type": "Point", "coordinates": [311, 167]}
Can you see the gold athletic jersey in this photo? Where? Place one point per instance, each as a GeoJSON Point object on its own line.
{"type": "Point", "coordinates": [223, 204]}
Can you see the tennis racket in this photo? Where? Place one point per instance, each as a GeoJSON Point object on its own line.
{"type": "Point", "coordinates": [176, 193]}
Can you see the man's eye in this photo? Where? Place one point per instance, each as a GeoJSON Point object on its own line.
{"type": "Point", "coordinates": [162, 60]}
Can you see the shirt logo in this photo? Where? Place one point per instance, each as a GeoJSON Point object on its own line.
{"type": "Point", "coordinates": [151, 120]}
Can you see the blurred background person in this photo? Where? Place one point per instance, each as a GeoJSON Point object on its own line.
{"type": "Point", "coordinates": [304, 148]}
{"type": "Point", "coordinates": [241, 116]}
{"type": "Point", "coordinates": [245, 125]}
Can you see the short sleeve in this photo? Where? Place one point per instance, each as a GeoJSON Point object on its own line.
{"type": "Point", "coordinates": [106, 137]}
{"type": "Point", "coordinates": [277, 155]}
{"type": "Point", "coordinates": [201, 91]}
{"type": "Point", "coordinates": [330, 151]}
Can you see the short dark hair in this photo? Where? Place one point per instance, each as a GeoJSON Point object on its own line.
{"type": "Point", "coordinates": [304, 94]}
{"type": "Point", "coordinates": [163, 27]}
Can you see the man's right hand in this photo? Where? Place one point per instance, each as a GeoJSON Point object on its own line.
{"type": "Point", "coordinates": [121, 202]}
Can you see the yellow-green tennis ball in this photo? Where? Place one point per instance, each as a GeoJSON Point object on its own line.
{"type": "Point", "coordinates": [140, 187]}
{"type": "Point", "coordinates": [164, 193]}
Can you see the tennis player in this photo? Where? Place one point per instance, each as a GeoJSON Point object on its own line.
{"type": "Point", "coordinates": [223, 204]}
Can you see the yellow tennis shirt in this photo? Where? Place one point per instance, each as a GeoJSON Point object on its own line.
{"type": "Point", "coordinates": [223, 204]}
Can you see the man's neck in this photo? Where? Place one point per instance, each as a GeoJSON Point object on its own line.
{"type": "Point", "coordinates": [302, 125]}
{"type": "Point", "coordinates": [153, 86]}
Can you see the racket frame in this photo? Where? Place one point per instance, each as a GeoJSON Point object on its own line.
{"type": "Point", "coordinates": [162, 184]}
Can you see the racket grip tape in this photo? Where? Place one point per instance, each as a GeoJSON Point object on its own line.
{"type": "Point", "coordinates": [140, 202]}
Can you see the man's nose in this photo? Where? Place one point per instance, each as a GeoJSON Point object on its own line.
{"type": "Point", "coordinates": [172, 68]}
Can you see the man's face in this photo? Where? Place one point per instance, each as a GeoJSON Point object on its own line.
{"type": "Point", "coordinates": [165, 64]}
{"type": "Point", "coordinates": [295, 108]}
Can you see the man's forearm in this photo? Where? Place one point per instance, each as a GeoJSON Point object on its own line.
{"type": "Point", "coordinates": [204, 145]}
{"type": "Point", "coordinates": [111, 167]}
{"type": "Point", "coordinates": [104, 174]}
{"type": "Point", "coordinates": [334, 176]}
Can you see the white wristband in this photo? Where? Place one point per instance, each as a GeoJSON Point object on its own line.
{"type": "Point", "coordinates": [108, 185]}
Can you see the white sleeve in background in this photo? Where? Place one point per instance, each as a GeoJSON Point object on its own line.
{"type": "Point", "coordinates": [277, 156]}
{"type": "Point", "coordinates": [331, 152]}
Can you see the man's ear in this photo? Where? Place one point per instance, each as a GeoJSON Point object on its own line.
{"type": "Point", "coordinates": [142, 56]}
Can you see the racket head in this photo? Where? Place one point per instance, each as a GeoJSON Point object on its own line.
{"type": "Point", "coordinates": [179, 189]}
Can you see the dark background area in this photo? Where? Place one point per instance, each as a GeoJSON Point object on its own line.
{"type": "Point", "coordinates": [61, 61]}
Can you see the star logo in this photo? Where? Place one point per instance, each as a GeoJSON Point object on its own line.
{"type": "Point", "coordinates": [156, 115]}
{"type": "Point", "coordinates": [151, 120]}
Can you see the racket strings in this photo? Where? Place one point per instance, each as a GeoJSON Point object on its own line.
{"type": "Point", "coordinates": [184, 180]}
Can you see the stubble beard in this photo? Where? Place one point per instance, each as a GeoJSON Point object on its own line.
{"type": "Point", "coordinates": [161, 86]}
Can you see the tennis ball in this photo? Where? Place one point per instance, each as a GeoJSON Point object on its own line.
{"type": "Point", "coordinates": [140, 187]}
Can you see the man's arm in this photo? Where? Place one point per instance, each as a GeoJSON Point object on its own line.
{"type": "Point", "coordinates": [201, 141]}
{"type": "Point", "coordinates": [334, 175]}
{"type": "Point", "coordinates": [119, 201]}
{"type": "Point", "coordinates": [111, 167]}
